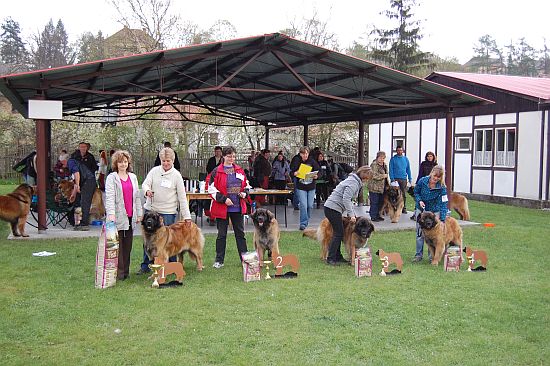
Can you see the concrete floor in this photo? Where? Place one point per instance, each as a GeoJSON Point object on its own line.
{"type": "Point", "coordinates": [405, 223]}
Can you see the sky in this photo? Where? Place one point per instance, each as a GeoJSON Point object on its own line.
{"type": "Point", "coordinates": [451, 28]}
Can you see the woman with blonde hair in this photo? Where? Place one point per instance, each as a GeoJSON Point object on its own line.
{"type": "Point", "coordinates": [340, 202]}
{"type": "Point", "coordinates": [430, 194]}
{"type": "Point", "coordinates": [123, 206]}
{"type": "Point", "coordinates": [166, 195]}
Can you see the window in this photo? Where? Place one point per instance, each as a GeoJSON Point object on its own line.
{"type": "Point", "coordinates": [399, 141]}
{"type": "Point", "coordinates": [483, 147]}
{"type": "Point", "coordinates": [505, 147]}
{"type": "Point", "coordinates": [463, 143]}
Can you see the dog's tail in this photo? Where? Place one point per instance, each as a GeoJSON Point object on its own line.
{"type": "Point", "coordinates": [466, 210]}
{"type": "Point", "coordinates": [310, 233]}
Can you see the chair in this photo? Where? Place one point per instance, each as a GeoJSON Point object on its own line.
{"type": "Point", "coordinates": [57, 211]}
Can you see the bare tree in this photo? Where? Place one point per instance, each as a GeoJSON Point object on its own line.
{"type": "Point", "coordinates": [155, 17]}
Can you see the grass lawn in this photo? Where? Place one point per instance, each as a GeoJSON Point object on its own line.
{"type": "Point", "coordinates": [50, 312]}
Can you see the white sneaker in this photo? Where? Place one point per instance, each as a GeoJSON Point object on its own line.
{"type": "Point", "coordinates": [218, 265]}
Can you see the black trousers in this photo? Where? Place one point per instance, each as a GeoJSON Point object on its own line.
{"type": "Point", "coordinates": [238, 227]}
{"type": "Point", "coordinates": [86, 193]}
{"type": "Point", "coordinates": [335, 219]}
{"type": "Point", "coordinates": [125, 238]}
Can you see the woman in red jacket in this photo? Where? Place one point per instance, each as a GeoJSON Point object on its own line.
{"type": "Point", "coordinates": [228, 187]}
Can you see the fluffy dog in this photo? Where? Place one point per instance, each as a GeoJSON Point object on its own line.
{"type": "Point", "coordinates": [393, 203]}
{"type": "Point", "coordinates": [97, 209]}
{"type": "Point", "coordinates": [356, 235]}
{"type": "Point", "coordinates": [439, 236]}
{"type": "Point", "coordinates": [15, 207]}
{"type": "Point", "coordinates": [389, 258]}
{"type": "Point", "coordinates": [266, 232]}
{"type": "Point", "coordinates": [163, 242]}
{"type": "Point", "coordinates": [457, 202]}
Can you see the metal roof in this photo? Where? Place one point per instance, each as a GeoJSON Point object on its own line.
{"type": "Point", "coordinates": [270, 79]}
{"type": "Point", "coordinates": [528, 86]}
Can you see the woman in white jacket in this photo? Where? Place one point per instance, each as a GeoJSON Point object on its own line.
{"type": "Point", "coordinates": [123, 206]}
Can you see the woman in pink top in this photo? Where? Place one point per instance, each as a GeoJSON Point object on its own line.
{"type": "Point", "coordinates": [123, 206]}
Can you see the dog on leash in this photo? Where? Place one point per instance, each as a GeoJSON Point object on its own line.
{"type": "Point", "coordinates": [165, 241]}
{"type": "Point", "coordinates": [356, 235]}
{"type": "Point", "coordinates": [393, 203]}
{"type": "Point", "coordinates": [438, 236]}
{"type": "Point", "coordinates": [266, 232]}
{"type": "Point", "coordinates": [15, 207]}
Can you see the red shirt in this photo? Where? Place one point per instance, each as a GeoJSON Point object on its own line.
{"type": "Point", "coordinates": [128, 195]}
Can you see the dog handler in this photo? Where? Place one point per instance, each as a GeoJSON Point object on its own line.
{"type": "Point", "coordinates": [430, 194]}
{"type": "Point", "coordinates": [338, 203]}
{"type": "Point", "coordinates": [123, 206]}
{"type": "Point", "coordinates": [165, 194]}
{"type": "Point", "coordinates": [228, 186]}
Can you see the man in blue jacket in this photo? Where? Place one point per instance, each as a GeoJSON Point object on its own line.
{"type": "Point", "coordinates": [400, 172]}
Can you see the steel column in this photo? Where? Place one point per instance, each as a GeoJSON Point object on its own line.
{"type": "Point", "coordinates": [43, 128]}
{"type": "Point", "coordinates": [361, 146]}
{"type": "Point", "coordinates": [449, 149]}
{"type": "Point", "coordinates": [306, 133]}
{"type": "Point", "coordinates": [266, 138]}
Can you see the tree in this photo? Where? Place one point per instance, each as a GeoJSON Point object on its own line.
{"type": "Point", "coordinates": [398, 47]}
{"type": "Point", "coordinates": [219, 31]}
{"type": "Point", "coordinates": [155, 17]}
{"type": "Point", "coordinates": [12, 47]}
{"type": "Point", "coordinates": [91, 47]}
{"type": "Point", "coordinates": [52, 48]}
{"type": "Point", "coordinates": [313, 30]}
{"type": "Point", "coordinates": [489, 57]}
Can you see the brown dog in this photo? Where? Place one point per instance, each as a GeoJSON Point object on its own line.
{"type": "Point", "coordinates": [393, 203]}
{"type": "Point", "coordinates": [15, 207]}
{"type": "Point", "coordinates": [475, 255]}
{"type": "Point", "coordinates": [97, 209]}
{"type": "Point", "coordinates": [169, 268]}
{"type": "Point", "coordinates": [266, 232]}
{"type": "Point", "coordinates": [356, 235]}
{"type": "Point", "coordinates": [459, 204]}
{"type": "Point", "coordinates": [439, 236]}
{"type": "Point", "coordinates": [389, 258]}
{"type": "Point", "coordinates": [279, 261]}
{"type": "Point", "coordinates": [165, 241]}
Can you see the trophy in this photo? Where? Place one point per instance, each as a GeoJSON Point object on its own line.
{"type": "Point", "coordinates": [155, 268]}
{"type": "Point", "coordinates": [267, 276]}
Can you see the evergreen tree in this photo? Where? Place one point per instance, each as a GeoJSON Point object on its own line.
{"type": "Point", "coordinates": [52, 47]}
{"type": "Point", "coordinates": [398, 47]}
{"type": "Point", "coordinates": [12, 48]}
{"type": "Point", "coordinates": [489, 56]}
{"type": "Point", "coordinates": [91, 48]}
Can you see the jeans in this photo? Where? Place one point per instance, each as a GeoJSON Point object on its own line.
{"type": "Point", "coordinates": [168, 219]}
{"type": "Point", "coordinates": [238, 228]}
{"type": "Point", "coordinates": [305, 198]}
{"type": "Point", "coordinates": [420, 237]}
{"type": "Point", "coordinates": [294, 196]}
{"type": "Point", "coordinates": [335, 219]}
{"type": "Point", "coordinates": [376, 201]}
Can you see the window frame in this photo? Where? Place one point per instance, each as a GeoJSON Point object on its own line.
{"type": "Point", "coordinates": [484, 151]}
{"type": "Point", "coordinates": [509, 159]}
{"type": "Point", "coordinates": [457, 144]}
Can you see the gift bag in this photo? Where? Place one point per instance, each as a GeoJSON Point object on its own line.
{"type": "Point", "coordinates": [363, 262]}
{"type": "Point", "coordinates": [251, 266]}
{"type": "Point", "coordinates": [106, 260]}
{"type": "Point", "coordinates": [452, 259]}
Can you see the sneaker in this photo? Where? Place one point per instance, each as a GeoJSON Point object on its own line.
{"type": "Point", "coordinates": [81, 228]}
{"type": "Point", "coordinates": [143, 271]}
{"type": "Point", "coordinates": [404, 210]}
{"type": "Point", "coordinates": [413, 218]}
{"type": "Point", "coordinates": [417, 259]}
{"type": "Point", "coordinates": [217, 265]}
{"type": "Point", "coordinates": [302, 228]}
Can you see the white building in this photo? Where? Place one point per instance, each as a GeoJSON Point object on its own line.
{"type": "Point", "coordinates": [500, 152]}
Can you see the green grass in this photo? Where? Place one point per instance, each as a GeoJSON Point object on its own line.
{"type": "Point", "coordinates": [50, 312]}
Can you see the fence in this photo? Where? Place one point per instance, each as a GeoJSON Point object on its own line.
{"type": "Point", "coordinates": [192, 164]}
